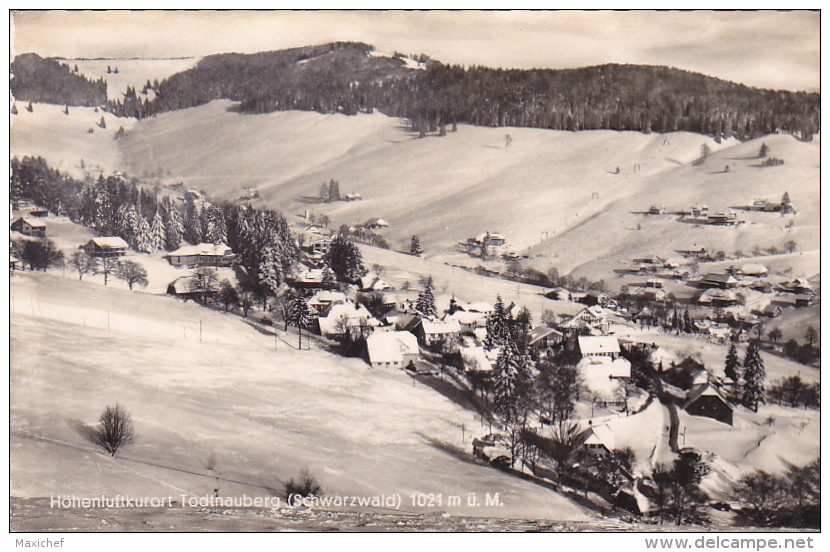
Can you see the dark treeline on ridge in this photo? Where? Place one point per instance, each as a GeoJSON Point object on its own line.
{"type": "Point", "coordinates": [344, 77]}
{"type": "Point", "coordinates": [49, 81]}
{"type": "Point", "coordinates": [347, 78]}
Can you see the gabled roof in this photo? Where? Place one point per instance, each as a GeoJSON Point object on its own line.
{"type": "Point", "coordinates": [600, 435]}
{"type": "Point", "coordinates": [327, 296]}
{"type": "Point", "coordinates": [311, 276]}
{"type": "Point", "coordinates": [720, 278]}
{"type": "Point", "coordinates": [476, 358]}
{"type": "Point", "coordinates": [435, 327]}
{"type": "Point", "coordinates": [203, 249]}
{"type": "Point", "coordinates": [33, 222]}
{"type": "Point", "coordinates": [541, 332]}
{"type": "Point", "coordinates": [467, 318]}
{"type": "Point", "coordinates": [754, 269]}
{"type": "Point", "coordinates": [391, 346]}
{"type": "Point", "coordinates": [704, 389]}
{"type": "Point", "coordinates": [592, 345]}
{"type": "Point", "coordinates": [110, 242]}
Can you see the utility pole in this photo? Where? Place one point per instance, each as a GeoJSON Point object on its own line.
{"type": "Point", "coordinates": [200, 330]}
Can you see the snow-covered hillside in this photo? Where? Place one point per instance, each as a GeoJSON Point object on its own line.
{"type": "Point", "coordinates": [262, 414]}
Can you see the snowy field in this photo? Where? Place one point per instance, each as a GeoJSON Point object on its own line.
{"type": "Point", "coordinates": [555, 195]}
{"type": "Point", "coordinates": [263, 415]}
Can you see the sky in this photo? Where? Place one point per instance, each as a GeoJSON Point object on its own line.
{"type": "Point", "coordinates": [768, 49]}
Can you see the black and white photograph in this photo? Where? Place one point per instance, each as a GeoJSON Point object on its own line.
{"type": "Point", "coordinates": [385, 271]}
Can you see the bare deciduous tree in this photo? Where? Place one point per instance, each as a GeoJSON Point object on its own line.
{"type": "Point", "coordinates": [114, 430]}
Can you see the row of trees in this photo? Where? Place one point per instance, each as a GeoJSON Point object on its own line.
{"type": "Point", "coordinates": [747, 376]}
{"type": "Point", "coordinates": [789, 500]}
{"type": "Point", "coordinates": [265, 246]}
{"type": "Point", "coordinates": [129, 271]}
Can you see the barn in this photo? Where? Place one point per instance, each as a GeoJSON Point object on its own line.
{"type": "Point", "coordinates": [707, 400]}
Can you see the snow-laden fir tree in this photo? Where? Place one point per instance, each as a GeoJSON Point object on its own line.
{"type": "Point", "coordinates": [158, 233]}
{"type": "Point", "coordinates": [144, 237]}
{"type": "Point", "coordinates": [217, 231]}
{"type": "Point", "coordinates": [511, 380]}
{"type": "Point", "coordinates": [732, 364]}
{"type": "Point", "coordinates": [415, 246]}
{"type": "Point", "coordinates": [174, 227]}
{"type": "Point", "coordinates": [426, 300]}
{"type": "Point", "coordinates": [498, 326]}
{"type": "Point", "coordinates": [329, 278]}
{"type": "Point", "coordinates": [271, 268]}
{"type": "Point", "coordinates": [754, 375]}
{"type": "Point", "coordinates": [300, 316]}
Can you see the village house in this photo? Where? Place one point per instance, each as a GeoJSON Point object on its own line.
{"type": "Point", "coordinates": [324, 299]}
{"type": "Point", "coordinates": [718, 298]}
{"type": "Point", "coordinates": [310, 278]}
{"type": "Point", "coordinates": [803, 300]}
{"type": "Point", "coordinates": [599, 439]}
{"type": "Point", "coordinates": [542, 337]}
{"type": "Point", "coordinates": [317, 246]}
{"type": "Point", "coordinates": [797, 286]}
{"type": "Point", "coordinates": [343, 317]}
{"type": "Point", "coordinates": [705, 399]}
{"type": "Point", "coordinates": [598, 346]}
{"type": "Point", "coordinates": [204, 254]}
{"type": "Point", "coordinates": [433, 331]}
{"type": "Point", "coordinates": [13, 262]}
{"type": "Point", "coordinates": [29, 227]}
{"type": "Point", "coordinates": [590, 320]}
{"type": "Point", "coordinates": [111, 246]}
{"type": "Point", "coordinates": [372, 282]}
{"type": "Point", "coordinates": [467, 321]}
{"type": "Point", "coordinates": [719, 280]}
{"type": "Point", "coordinates": [754, 269]}
{"type": "Point", "coordinates": [763, 205]}
{"type": "Point", "coordinates": [392, 349]}
{"type": "Point", "coordinates": [694, 253]}
{"type": "Point", "coordinates": [375, 223]}
{"type": "Point", "coordinates": [770, 311]}
{"type": "Point", "coordinates": [476, 359]}
{"type": "Point", "coordinates": [185, 287]}
{"type": "Point", "coordinates": [723, 219]}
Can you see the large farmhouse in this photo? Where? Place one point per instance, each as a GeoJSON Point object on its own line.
{"type": "Point", "coordinates": [29, 227]}
{"type": "Point", "coordinates": [111, 246]}
{"type": "Point", "coordinates": [204, 254]}
{"type": "Point", "coordinates": [391, 349]}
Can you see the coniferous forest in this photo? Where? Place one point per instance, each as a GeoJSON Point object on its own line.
{"type": "Point", "coordinates": [49, 81]}
{"type": "Point", "coordinates": [344, 77]}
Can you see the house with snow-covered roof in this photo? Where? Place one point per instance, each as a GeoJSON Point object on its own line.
{"type": "Point", "coordinates": [204, 254]}
{"type": "Point", "coordinates": [110, 246]}
{"type": "Point", "coordinates": [344, 317]}
{"type": "Point", "coordinates": [589, 320]}
{"type": "Point", "coordinates": [392, 349]}
{"type": "Point", "coordinates": [705, 399]}
{"type": "Point", "coordinates": [598, 346]}
{"type": "Point", "coordinates": [29, 226]}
